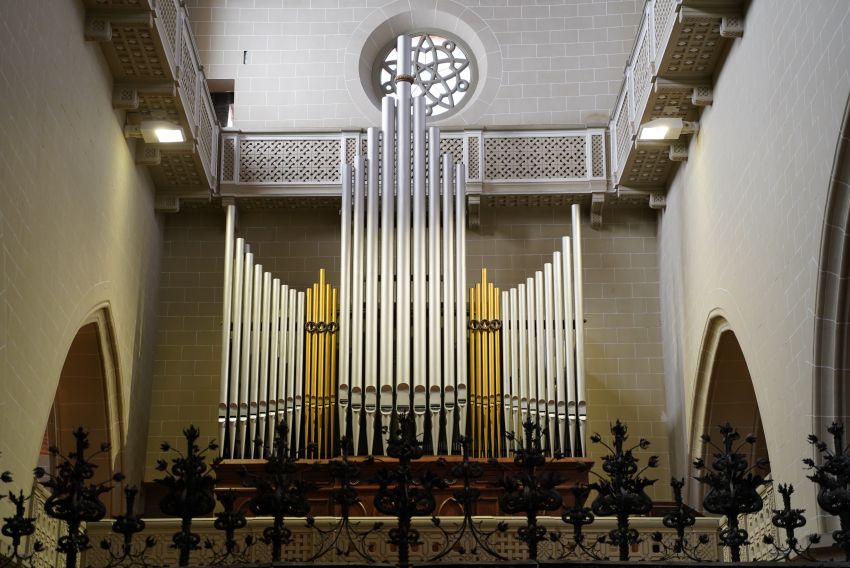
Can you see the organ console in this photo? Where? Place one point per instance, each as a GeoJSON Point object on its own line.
{"type": "Point", "coordinates": [403, 333]}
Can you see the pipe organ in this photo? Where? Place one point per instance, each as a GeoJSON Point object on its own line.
{"type": "Point", "coordinates": [402, 333]}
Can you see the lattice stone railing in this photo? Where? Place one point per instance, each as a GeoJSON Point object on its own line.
{"type": "Point", "coordinates": [669, 74]}
{"type": "Point", "coordinates": [150, 49]}
{"type": "Point", "coordinates": [48, 531]}
{"type": "Point", "coordinates": [652, 35]}
{"type": "Point", "coordinates": [543, 161]}
{"type": "Point", "coordinates": [305, 541]}
{"type": "Point", "coordinates": [173, 24]}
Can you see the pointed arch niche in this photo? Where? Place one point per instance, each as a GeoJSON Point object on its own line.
{"type": "Point", "coordinates": [724, 393]}
{"type": "Point", "coordinates": [831, 379]}
{"type": "Point", "coordinates": [87, 395]}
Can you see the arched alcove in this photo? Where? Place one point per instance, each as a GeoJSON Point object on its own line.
{"type": "Point", "coordinates": [724, 394]}
{"type": "Point", "coordinates": [87, 396]}
{"type": "Point", "coordinates": [832, 321]}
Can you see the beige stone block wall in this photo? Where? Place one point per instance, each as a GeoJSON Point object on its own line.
{"type": "Point", "coordinates": [77, 228]}
{"type": "Point", "coordinates": [624, 371]}
{"type": "Point", "coordinates": [742, 229]}
{"type": "Point", "coordinates": [559, 63]}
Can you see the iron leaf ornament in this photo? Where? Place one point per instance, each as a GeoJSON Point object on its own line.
{"type": "Point", "coordinates": [622, 491]}
{"type": "Point", "coordinates": [189, 485]}
{"type": "Point", "coordinates": [681, 518]}
{"type": "Point", "coordinates": [732, 485]}
{"type": "Point", "coordinates": [74, 499]}
{"type": "Point", "coordinates": [832, 477]}
{"type": "Point", "coordinates": [788, 519]}
{"type": "Point", "coordinates": [530, 490]}
{"type": "Point", "coordinates": [278, 493]}
{"type": "Point", "coordinates": [401, 494]}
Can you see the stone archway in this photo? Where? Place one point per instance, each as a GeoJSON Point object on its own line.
{"type": "Point", "coordinates": [724, 393]}
{"type": "Point", "coordinates": [87, 395]}
{"type": "Point", "coordinates": [831, 380]}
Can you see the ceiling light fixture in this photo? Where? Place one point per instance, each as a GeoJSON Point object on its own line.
{"type": "Point", "coordinates": [665, 129]}
{"type": "Point", "coordinates": [161, 132]}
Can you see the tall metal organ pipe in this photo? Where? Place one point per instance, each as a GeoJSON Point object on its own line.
{"type": "Point", "coordinates": [409, 339]}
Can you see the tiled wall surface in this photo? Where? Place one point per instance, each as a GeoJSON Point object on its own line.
{"type": "Point", "coordinates": [562, 60]}
{"type": "Point", "coordinates": [77, 227]}
{"type": "Point", "coordinates": [741, 233]}
{"type": "Point", "coordinates": [623, 345]}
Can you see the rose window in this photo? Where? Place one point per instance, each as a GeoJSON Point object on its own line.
{"type": "Point", "coordinates": [442, 71]}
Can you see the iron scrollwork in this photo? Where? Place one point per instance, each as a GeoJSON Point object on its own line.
{"type": "Point", "coordinates": [733, 486]}
{"type": "Point", "coordinates": [401, 494]}
{"type": "Point", "coordinates": [681, 518]}
{"type": "Point", "coordinates": [622, 492]}
{"type": "Point", "coordinates": [189, 488]}
{"type": "Point", "coordinates": [74, 499]}
{"type": "Point", "coordinates": [278, 492]}
{"type": "Point", "coordinates": [832, 477]}
{"type": "Point", "coordinates": [530, 491]}
{"type": "Point", "coordinates": [467, 496]}
{"type": "Point", "coordinates": [344, 537]}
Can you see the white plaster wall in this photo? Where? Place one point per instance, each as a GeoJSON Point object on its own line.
{"type": "Point", "coordinates": [741, 232]}
{"type": "Point", "coordinates": [561, 61]}
{"type": "Point", "coordinates": [77, 227]}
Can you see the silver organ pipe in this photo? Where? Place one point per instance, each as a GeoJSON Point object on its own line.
{"type": "Point", "coordinates": [578, 297]}
{"type": "Point", "coordinates": [403, 115]}
{"type": "Point", "coordinates": [435, 400]}
{"type": "Point", "coordinates": [560, 385]}
{"type": "Point", "coordinates": [449, 376]}
{"type": "Point", "coordinates": [540, 332]}
{"type": "Point", "coordinates": [370, 392]}
{"type": "Point", "coordinates": [227, 300]}
{"type": "Point", "coordinates": [253, 387]}
{"type": "Point", "coordinates": [344, 319]}
{"type": "Point", "coordinates": [419, 274]}
{"type": "Point", "coordinates": [547, 372]}
{"type": "Point", "coordinates": [356, 308]}
{"type": "Point", "coordinates": [404, 330]}
{"type": "Point", "coordinates": [244, 377]}
{"type": "Point", "coordinates": [459, 339]}
{"type": "Point", "coordinates": [386, 376]}
{"type": "Point", "coordinates": [549, 328]}
{"type": "Point", "coordinates": [265, 335]}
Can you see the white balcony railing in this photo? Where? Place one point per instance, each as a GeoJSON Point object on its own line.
{"type": "Point", "coordinates": [540, 161]}
{"type": "Point", "coordinates": [172, 23]}
{"type": "Point", "coordinates": [654, 31]}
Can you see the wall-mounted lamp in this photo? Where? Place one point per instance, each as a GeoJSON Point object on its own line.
{"type": "Point", "coordinates": [161, 132]}
{"type": "Point", "coordinates": [666, 129]}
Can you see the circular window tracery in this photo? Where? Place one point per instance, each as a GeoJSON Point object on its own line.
{"type": "Point", "coordinates": [442, 70]}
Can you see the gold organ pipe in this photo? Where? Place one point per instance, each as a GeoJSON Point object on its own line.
{"type": "Point", "coordinates": [321, 369]}
{"type": "Point", "coordinates": [324, 427]}
{"type": "Point", "coordinates": [320, 375]}
{"type": "Point", "coordinates": [486, 427]}
{"type": "Point", "coordinates": [488, 386]}
{"type": "Point", "coordinates": [481, 292]}
{"type": "Point", "coordinates": [332, 332]}
{"type": "Point", "coordinates": [308, 370]}
{"type": "Point", "coordinates": [497, 382]}
{"type": "Point", "coordinates": [488, 369]}
{"type": "Point", "coordinates": [479, 370]}
{"type": "Point", "coordinates": [317, 292]}
{"type": "Point", "coordinates": [473, 368]}
{"type": "Point", "coordinates": [485, 368]}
